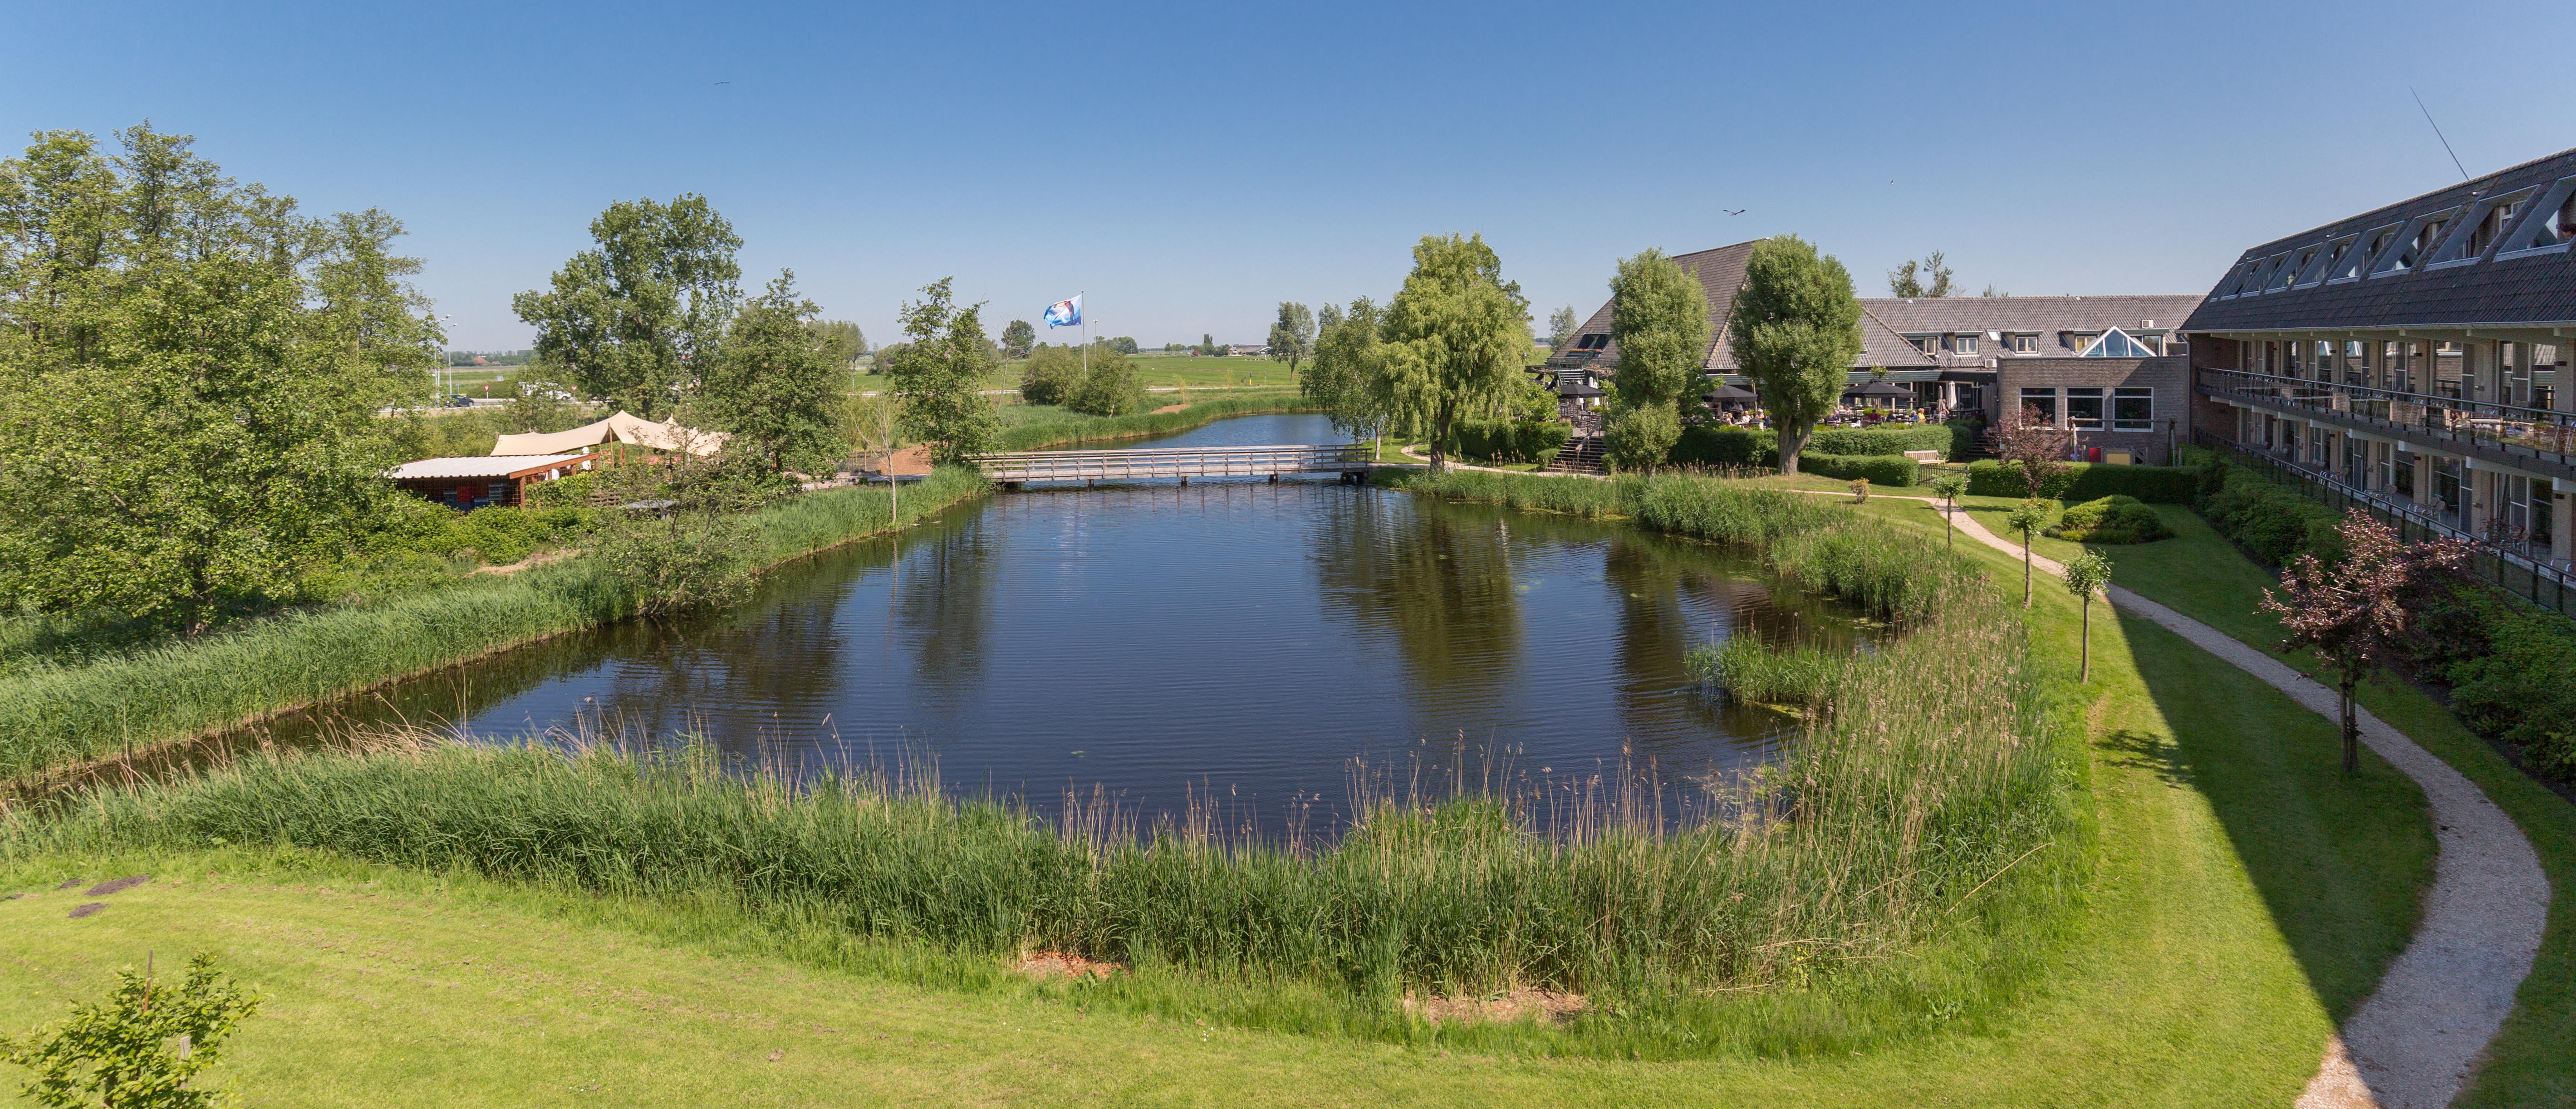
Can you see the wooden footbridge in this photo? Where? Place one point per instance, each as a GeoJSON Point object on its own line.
{"type": "Point", "coordinates": [1350, 460]}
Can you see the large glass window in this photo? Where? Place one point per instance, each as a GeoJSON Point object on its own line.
{"type": "Point", "coordinates": [2133, 408]}
{"type": "Point", "coordinates": [2043, 401]}
{"type": "Point", "coordinates": [2084, 409]}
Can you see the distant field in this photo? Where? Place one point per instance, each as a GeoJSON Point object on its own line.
{"type": "Point", "coordinates": [1186, 370]}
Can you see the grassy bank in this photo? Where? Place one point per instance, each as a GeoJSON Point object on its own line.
{"type": "Point", "coordinates": [1036, 427]}
{"type": "Point", "coordinates": [54, 715]}
{"type": "Point", "coordinates": [2241, 896]}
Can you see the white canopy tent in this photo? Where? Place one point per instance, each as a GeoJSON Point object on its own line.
{"type": "Point", "coordinates": [630, 430]}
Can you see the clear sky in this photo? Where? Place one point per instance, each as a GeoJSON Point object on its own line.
{"type": "Point", "coordinates": [1190, 165]}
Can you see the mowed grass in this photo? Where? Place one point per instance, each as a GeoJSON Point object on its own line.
{"type": "Point", "coordinates": [1182, 371]}
{"type": "Point", "coordinates": [2203, 576]}
{"type": "Point", "coordinates": [2184, 983]}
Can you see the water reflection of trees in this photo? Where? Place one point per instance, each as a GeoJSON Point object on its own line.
{"type": "Point", "coordinates": [1435, 582]}
{"type": "Point", "coordinates": [942, 608]}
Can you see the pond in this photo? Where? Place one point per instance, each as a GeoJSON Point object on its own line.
{"type": "Point", "coordinates": [1240, 640]}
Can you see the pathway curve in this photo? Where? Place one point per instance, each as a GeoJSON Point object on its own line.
{"type": "Point", "coordinates": [2417, 1039]}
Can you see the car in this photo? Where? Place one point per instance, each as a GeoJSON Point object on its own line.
{"type": "Point", "coordinates": [455, 400]}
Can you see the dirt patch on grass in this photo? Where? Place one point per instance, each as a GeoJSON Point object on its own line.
{"type": "Point", "coordinates": [1057, 964]}
{"type": "Point", "coordinates": [118, 885]}
{"type": "Point", "coordinates": [1548, 1006]}
{"type": "Point", "coordinates": [531, 562]}
{"type": "Point", "coordinates": [71, 883]}
{"type": "Point", "coordinates": [1169, 408]}
{"type": "Point", "coordinates": [91, 909]}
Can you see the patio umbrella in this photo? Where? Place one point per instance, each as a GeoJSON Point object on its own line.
{"type": "Point", "coordinates": [1729, 394]}
{"type": "Point", "coordinates": [1878, 389]}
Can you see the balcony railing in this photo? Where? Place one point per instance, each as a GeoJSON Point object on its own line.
{"type": "Point", "coordinates": [2519, 564]}
{"type": "Point", "coordinates": [2540, 433]}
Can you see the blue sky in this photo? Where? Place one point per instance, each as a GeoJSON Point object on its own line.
{"type": "Point", "coordinates": [1190, 165]}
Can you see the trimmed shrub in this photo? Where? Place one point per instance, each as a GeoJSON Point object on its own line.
{"type": "Point", "coordinates": [2520, 692]}
{"type": "Point", "coordinates": [2118, 518]}
{"type": "Point", "coordinates": [2086, 481]}
{"type": "Point", "coordinates": [1878, 469]}
{"type": "Point", "coordinates": [1893, 439]}
{"type": "Point", "coordinates": [2273, 523]}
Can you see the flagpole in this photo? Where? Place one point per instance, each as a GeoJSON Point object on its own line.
{"type": "Point", "coordinates": [1086, 334]}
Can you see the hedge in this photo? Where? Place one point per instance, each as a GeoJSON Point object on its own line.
{"type": "Point", "coordinates": [1496, 441]}
{"type": "Point", "coordinates": [1892, 439]}
{"type": "Point", "coordinates": [1707, 445]}
{"type": "Point", "coordinates": [2091, 481]}
{"type": "Point", "coordinates": [1893, 470]}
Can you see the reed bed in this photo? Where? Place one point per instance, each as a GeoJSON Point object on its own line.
{"type": "Point", "coordinates": [54, 715]}
{"type": "Point", "coordinates": [1899, 854]}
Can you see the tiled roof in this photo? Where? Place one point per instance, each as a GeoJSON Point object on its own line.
{"type": "Point", "coordinates": [1721, 273]}
{"type": "Point", "coordinates": [2535, 288]}
{"type": "Point", "coordinates": [2050, 317]}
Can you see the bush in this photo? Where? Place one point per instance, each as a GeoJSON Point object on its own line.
{"type": "Point", "coordinates": [2520, 691]}
{"type": "Point", "coordinates": [2114, 519]}
{"type": "Point", "coordinates": [1712, 446]}
{"type": "Point", "coordinates": [2086, 481]}
{"type": "Point", "coordinates": [1642, 438]}
{"type": "Point", "coordinates": [1052, 375]}
{"type": "Point", "coordinates": [2273, 523]}
{"type": "Point", "coordinates": [1110, 389]}
{"type": "Point", "coordinates": [1878, 469]}
{"type": "Point", "coordinates": [1506, 441]}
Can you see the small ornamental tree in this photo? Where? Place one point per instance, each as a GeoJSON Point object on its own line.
{"type": "Point", "coordinates": [2088, 575]}
{"type": "Point", "coordinates": [2027, 518]}
{"type": "Point", "coordinates": [1794, 331]}
{"type": "Point", "coordinates": [1292, 336]}
{"type": "Point", "coordinates": [1018, 338]}
{"type": "Point", "coordinates": [938, 374]}
{"type": "Point", "coordinates": [2354, 611]}
{"type": "Point", "coordinates": [2025, 439]}
{"type": "Point", "coordinates": [140, 1047]}
{"type": "Point", "coordinates": [1948, 487]}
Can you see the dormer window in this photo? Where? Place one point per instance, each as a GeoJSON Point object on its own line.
{"type": "Point", "coordinates": [2414, 247]}
{"type": "Point", "coordinates": [1921, 342]}
{"type": "Point", "coordinates": [2025, 344]}
{"type": "Point", "coordinates": [2356, 261]}
{"type": "Point", "coordinates": [2316, 270]}
{"type": "Point", "coordinates": [2283, 275]}
{"type": "Point", "coordinates": [1963, 344]}
{"type": "Point", "coordinates": [2550, 224]}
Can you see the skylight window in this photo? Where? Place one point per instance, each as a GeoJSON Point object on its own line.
{"type": "Point", "coordinates": [2315, 273]}
{"type": "Point", "coordinates": [2237, 282]}
{"type": "Point", "coordinates": [2485, 223]}
{"type": "Point", "coordinates": [2549, 226]}
{"type": "Point", "coordinates": [2283, 277]}
{"type": "Point", "coordinates": [2356, 260]}
{"type": "Point", "coordinates": [2116, 343]}
{"type": "Point", "coordinates": [2411, 249]}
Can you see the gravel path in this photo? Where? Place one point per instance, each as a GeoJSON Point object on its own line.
{"type": "Point", "coordinates": [2417, 1039]}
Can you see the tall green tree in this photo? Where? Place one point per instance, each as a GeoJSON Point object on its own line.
{"type": "Point", "coordinates": [774, 383]}
{"type": "Point", "coordinates": [1927, 278]}
{"type": "Point", "coordinates": [1795, 331]}
{"type": "Point", "coordinates": [1018, 338]}
{"type": "Point", "coordinates": [1455, 337]}
{"type": "Point", "coordinates": [937, 375]}
{"type": "Point", "coordinates": [1292, 336]}
{"type": "Point", "coordinates": [189, 372]}
{"type": "Point", "coordinates": [1560, 327]}
{"type": "Point", "coordinates": [1659, 322]}
{"type": "Point", "coordinates": [1348, 379]}
{"type": "Point", "coordinates": [633, 320]}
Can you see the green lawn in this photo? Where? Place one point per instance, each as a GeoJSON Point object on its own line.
{"type": "Point", "coordinates": [1164, 371]}
{"type": "Point", "coordinates": [2245, 895]}
{"type": "Point", "coordinates": [2201, 575]}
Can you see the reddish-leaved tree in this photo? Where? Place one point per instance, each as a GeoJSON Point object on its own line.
{"type": "Point", "coordinates": [2355, 611]}
{"type": "Point", "coordinates": [2025, 439]}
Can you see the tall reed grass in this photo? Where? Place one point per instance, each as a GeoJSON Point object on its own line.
{"type": "Point", "coordinates": [52, 715]}
{"type": "Point", "coordinates": [1898, 857]}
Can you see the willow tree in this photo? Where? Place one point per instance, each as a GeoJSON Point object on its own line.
{"type": "Point", "coordinates": [1454, 338]}
{"type": "Point", "coordinates": [1659, 322]}
{"type": "Point", "coordinates": [1795, 331]}
{"type": "Point", "coordinates": [1348, 378]}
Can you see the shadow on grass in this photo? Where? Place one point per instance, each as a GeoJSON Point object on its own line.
{"type": "Point", "coordinates": [2340, 862]}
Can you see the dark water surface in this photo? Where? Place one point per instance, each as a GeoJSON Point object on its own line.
{"type": "Point", "coordinates": [1235, 637]}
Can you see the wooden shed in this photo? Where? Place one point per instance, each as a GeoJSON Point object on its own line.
{"type": "Point", "coordinates": [479, 482]}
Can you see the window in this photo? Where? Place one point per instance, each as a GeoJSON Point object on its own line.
{"type": "Point", "coordinates": [2043, 401]}
{"type": "Point", "coordinates": [1963, 344]}
{"type": "Point", "coordinates": [2077, 340]}
{"type": "Point", "coordinates": [2404, 473]}
{"type": "Point", "coordinates": [2084, 409]}
{"type": "Point", "coordinates": [1921, 342]}
{"type": "Point", "coordinates": [2355, 262]}
{"type": "Point", "coordinates": [2316, 272]}
{"type": "Point", "coordinates": [2238, 281]}
{"type": "Point", "coordinates": [2415, 246]}
{"type": "Point", "coordinates": [2116, 343]}
{"type": "Point", "coordinates": [2025, 344]}
{"type": "Point", "coordinates": [2486, 224]}
{"type": "Point", "coordinates": [2550, 224]}
{"type": "Point", "coordinates": [2133, 408]}
{"type": "Point", "coordinates": [2282, 275]}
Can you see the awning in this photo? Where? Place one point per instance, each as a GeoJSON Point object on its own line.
{"type": "Point", "coordinates": [622, 427]}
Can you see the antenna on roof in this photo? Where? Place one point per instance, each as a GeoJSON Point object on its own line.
{"type": "Point", "coordinates": [2437, 132]}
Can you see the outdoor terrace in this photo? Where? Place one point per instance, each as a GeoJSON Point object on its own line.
{"type": "Point", "coordinates": [2538, 440]}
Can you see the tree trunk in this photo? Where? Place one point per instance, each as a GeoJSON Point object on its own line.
{"type": "Point", "coordinates": [1949, 527]}
{"type": "Point", "coordinates": [2351, 726]}
{"type": "Point", "coordinates": [1793, 441]}
{"type": "Point", "coordinates": [2084, 669]}
{"type": "Point", "coordinates": [1440, 420]}
{"type": "Point", "coordinates": [2025, 569]}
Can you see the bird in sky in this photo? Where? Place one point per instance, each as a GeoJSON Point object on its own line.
{"type": "Point", "coordinates": [1735, 211]}
{"type": "Point", "coordinates": [724, 82]}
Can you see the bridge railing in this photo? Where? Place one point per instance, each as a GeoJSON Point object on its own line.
{"type": "Point", "coordinates": [1175, 462]}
